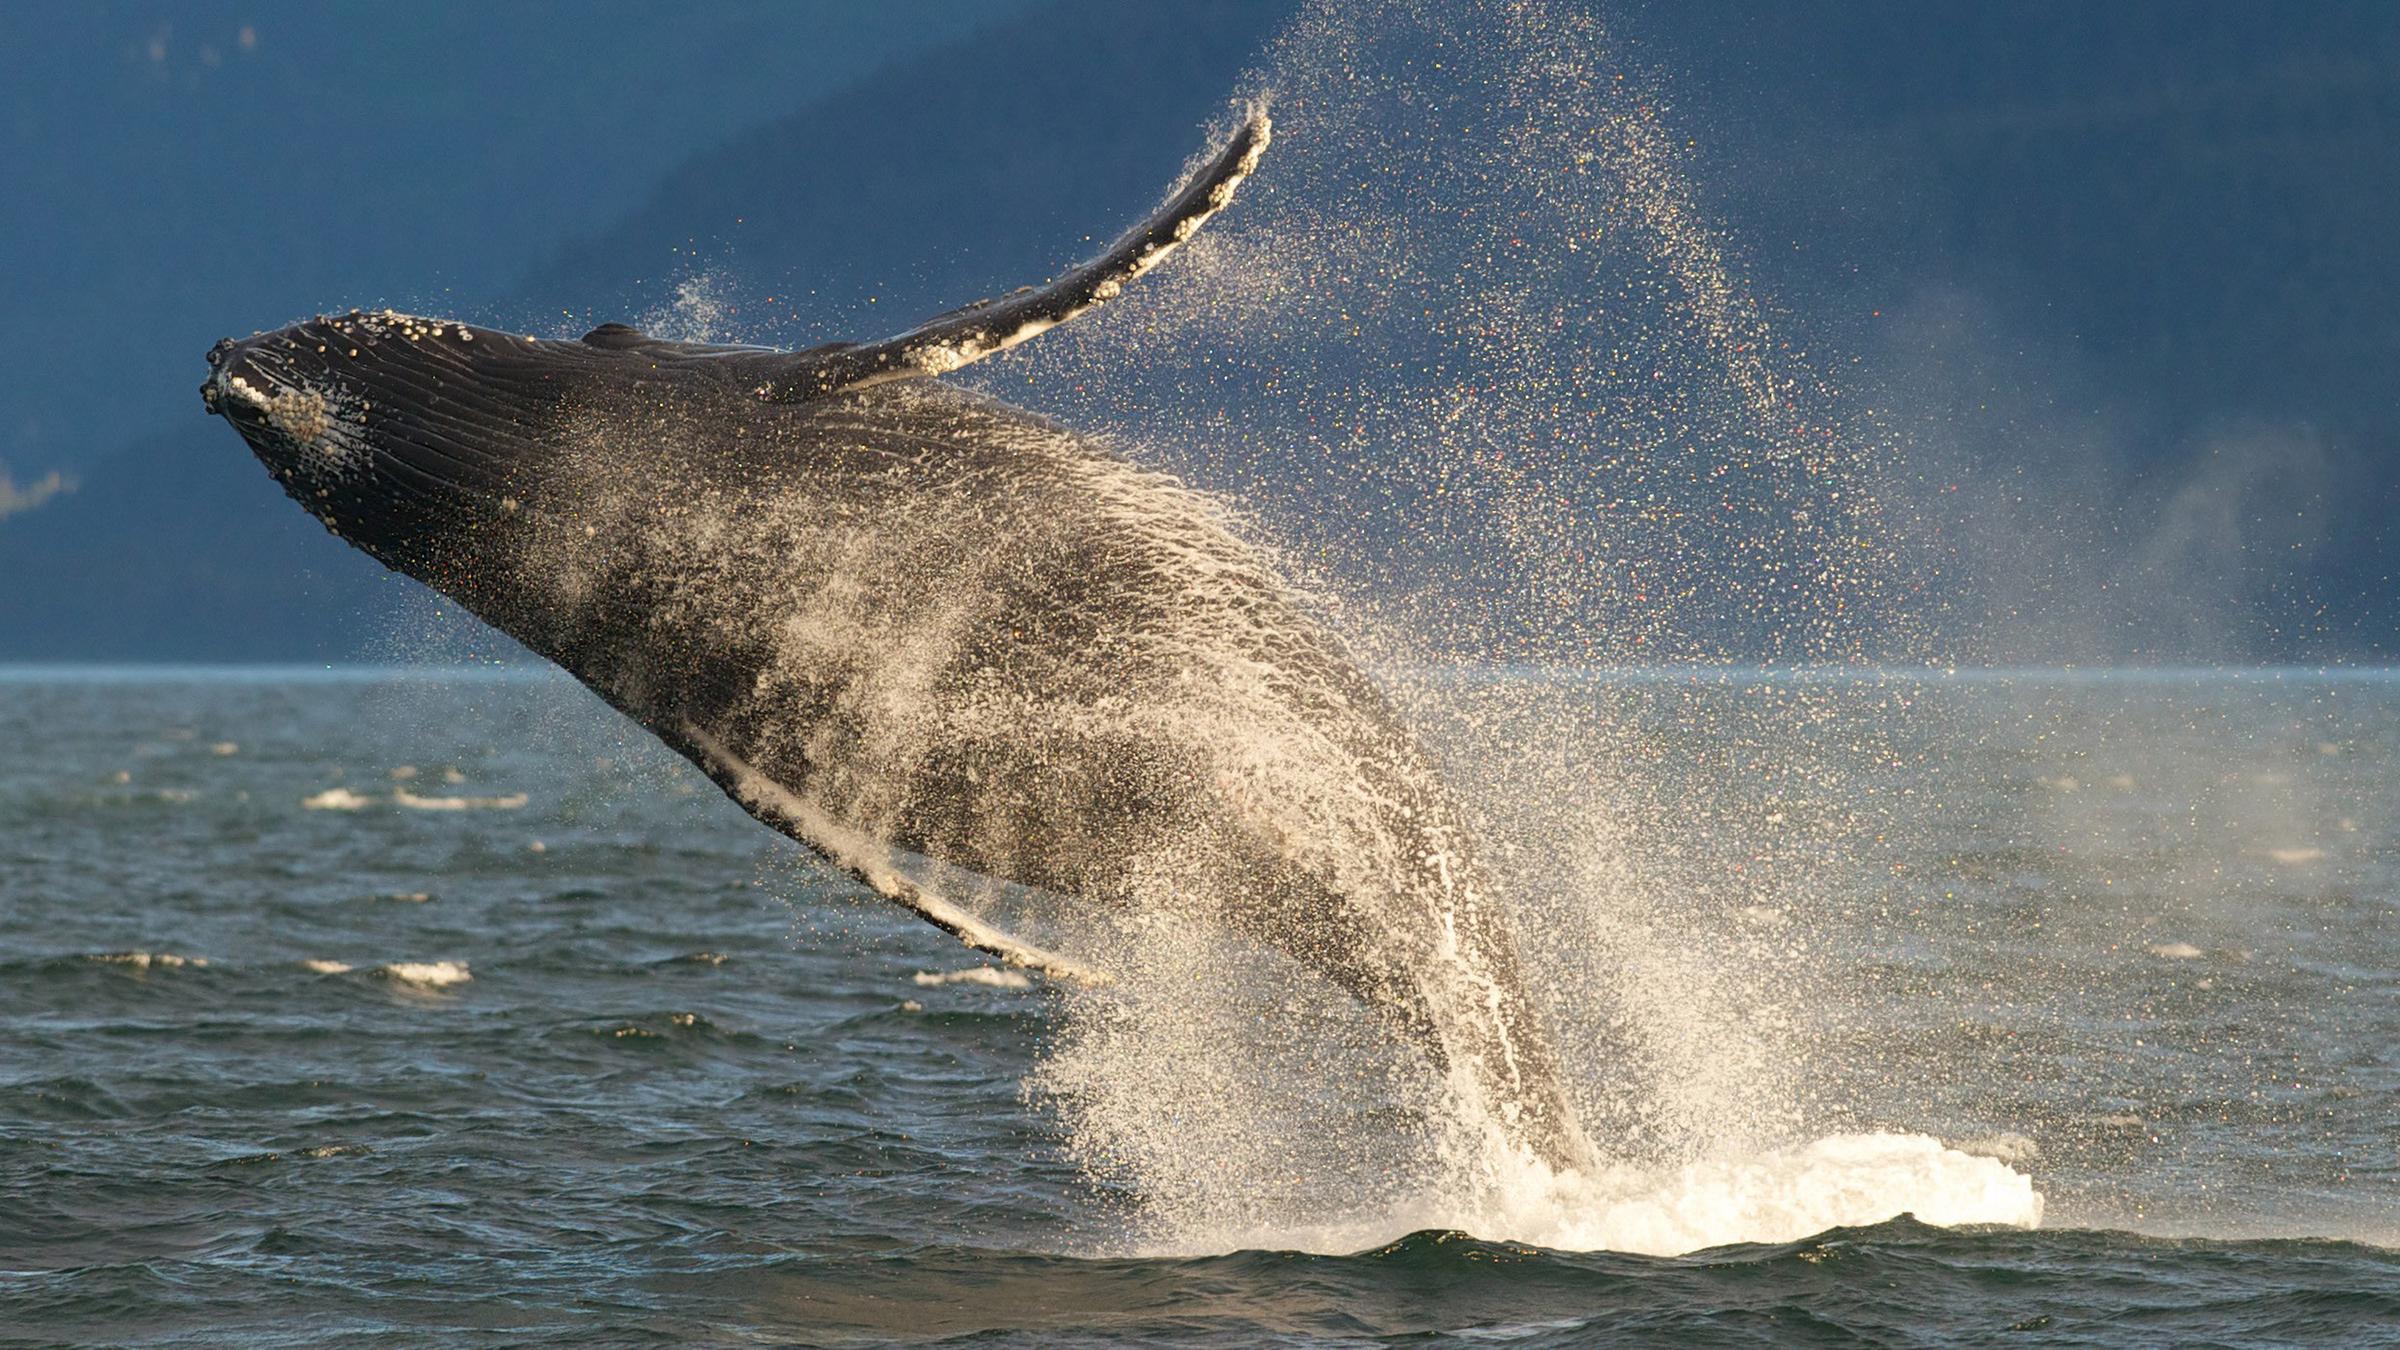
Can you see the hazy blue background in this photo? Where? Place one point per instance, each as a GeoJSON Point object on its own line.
{"type": "Point", "coordinates": [2136, 254]}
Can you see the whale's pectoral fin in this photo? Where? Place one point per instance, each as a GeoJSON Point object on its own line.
{"type": "Point", "coordinates": [969, 334]}
{"type": "Point", "coordinates": [873, 865]}
{"type": "Point", "coordinates": [957, 922]}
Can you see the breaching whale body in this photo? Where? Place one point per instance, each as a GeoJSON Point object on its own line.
{"type": "Point", "coordinates": [926, 633]}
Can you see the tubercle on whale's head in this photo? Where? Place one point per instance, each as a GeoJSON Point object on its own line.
{"type": "Point", "coordinates": [394, 431]}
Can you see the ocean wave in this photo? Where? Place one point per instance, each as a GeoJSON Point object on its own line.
{"type": "Point", "coordinates": [316, 1151]}
{"type": "Point", "coordinates": [675, 1022]}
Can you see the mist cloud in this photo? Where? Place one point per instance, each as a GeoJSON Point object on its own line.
{"type": "Point", "coordinates": [15, 499]}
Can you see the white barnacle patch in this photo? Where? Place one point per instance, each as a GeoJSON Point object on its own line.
{"type": "Point", "coordinates": [415, 328]}
{"type": "Point", "coordinates": [299, 414]}
{"type": "Point", "coordinates": [941, 358]}
{"type": "Point", "coordinates": [312, 420]}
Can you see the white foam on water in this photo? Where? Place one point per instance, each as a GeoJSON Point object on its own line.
{"type": "Point", "coordinates": [990, 976]}
{"type": "Point", "coordinates": [336, 799]}
{"type": "Point", "coordinates": [428, 974]}
{"type": "Point", "coordinates": [326, 967]}
{"type": "Point", "coordinates": [413, 802]}
{"type": "Point", "coordinates": [146, 960]}
{"type": "Point", "coordinates": [2176, 951]}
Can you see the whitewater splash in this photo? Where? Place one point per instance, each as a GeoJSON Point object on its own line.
{"type": "Point", "coordinates": [1307, 1138]}
{"type": "Point", "coordinates": [1841, 1181]}
{"type": "Point", "coordinates": [1524, 405]}
{"type": "Point", "coordinates": [1836, 1182]}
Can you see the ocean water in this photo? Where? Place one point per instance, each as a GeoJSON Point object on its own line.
{"type": "Point", "coordinates": [349, 1005]}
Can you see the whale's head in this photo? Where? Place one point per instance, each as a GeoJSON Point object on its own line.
{"type": "Point", "coordinates": [402, 435]}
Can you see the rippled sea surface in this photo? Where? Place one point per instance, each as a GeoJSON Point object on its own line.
{"type": "Point", "coordinates": [345, 1006]}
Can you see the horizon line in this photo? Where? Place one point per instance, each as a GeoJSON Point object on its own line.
{"type": "Point", "coordinates": [498, 671]}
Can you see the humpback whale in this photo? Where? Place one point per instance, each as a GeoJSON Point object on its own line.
{"type": "Point", "coordinates": [926, 633]}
